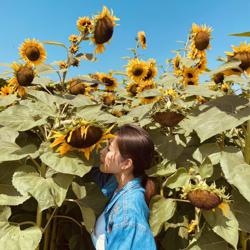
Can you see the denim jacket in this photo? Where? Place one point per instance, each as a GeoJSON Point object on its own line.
{"type": "Point", "coordinates": [126, 214]}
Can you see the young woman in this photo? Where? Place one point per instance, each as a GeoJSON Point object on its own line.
{"type": "Point", "coordinates": [123, 225]}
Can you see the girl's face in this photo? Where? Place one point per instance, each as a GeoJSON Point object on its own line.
{"type": "Point", "coordinates": [110, 158]}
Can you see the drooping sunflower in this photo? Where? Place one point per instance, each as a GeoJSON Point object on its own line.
{"type": "Point", "coordinates": [200, 40]}
{"type": "Point", "coordinates": [152, 70]}
{"type": "Point", "coordinates": [204, 196]}
{"type": "Point", "coordinates": [149, 99]}
{"type": "Point", "coordinates": [103, 29]}
{"type": "Point", "coordinates": [78, 86]}
{"type": "Point", "coordinates": [32, 51]}
{"type": "Point", "coordinates": [146, 85]}
{"type": "Point", "coordinates": [177, 65]}
{"type": "Point", "coordinates": [137, 69]}
{"type": "Point", "coordinates": [73, 38]}
{"type": "Point", "coordinates": [23, 77]}
{"type": "Point", "coordinates": [108, 99]}
{"type": "Point", "coordinates": [109, 81]}
{"type": "Point", "coordinates": [85, 25]}
{"type": "Point", "coordinates": [242, 53]}
{"type": "Point", "coordinates": [84, 138]}
{"type": "Point", "coordinates": [142, 39]}
{"type": "Point", "coordinates": [6, 90]}
{"type": "Point", "coordinates": [73, 48]}
{"type": "Point", "coordinates": [132, 88]}
{"type": "Point", "coordinates": [190, 76]}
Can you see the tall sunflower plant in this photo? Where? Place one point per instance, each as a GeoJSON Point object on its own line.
{"type": "Point", "coordinates": [51, 135]}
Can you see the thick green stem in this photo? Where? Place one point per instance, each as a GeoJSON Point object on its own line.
{"type": "Point", "coordinates": [39, 217]}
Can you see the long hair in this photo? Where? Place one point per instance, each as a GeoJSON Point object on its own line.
{"type": "Point", "coordinates": [135, 143]}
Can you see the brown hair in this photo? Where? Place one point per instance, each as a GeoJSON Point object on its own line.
{"type": "Point", "coordinates": [135, 143]}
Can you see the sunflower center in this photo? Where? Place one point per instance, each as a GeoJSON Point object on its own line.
{"type": "Point", "coordinates": [107, 81]}
{"type": "Point", "coordinates": [133, 89]}
{"type": "Point", "coordinates": [25, 76]}
{"type": "Point", "coordinates": [93, 135]}
{"type": "Point", "coordinates": [201, 40]}
{"type": "Point", "coordinates": [149, 75]}
{"type": "Point", "coordinates": [137, 71]}
{"type": "Point", "coordinates": [190, 83]}
{"type": "Point", "coordinates": [103, 30]}
{"type": "Point", "coordinates": [190, 75]}
{"type": "Point", "coordinates": [244, 57]}
{"type": "Point", "coordinates": [32, 53]}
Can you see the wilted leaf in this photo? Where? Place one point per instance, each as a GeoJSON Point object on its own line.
{"type": "Point", "coordinates": [161, 210]}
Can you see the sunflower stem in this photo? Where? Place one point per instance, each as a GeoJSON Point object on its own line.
{"type": "Point", "coordinates": [247, 143]}
{"type": "Point", "coordinates": [39, 217]}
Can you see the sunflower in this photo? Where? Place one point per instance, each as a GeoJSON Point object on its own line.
{"type": "Point", "coordinates": [145, 85]}
{"type": "Point", "coordinates": [73, 49]}
{"type": "Point", "coordinates": [203, 196]}
{"type": "Point", "coordinates": [242, 53]}
{"type": "Point", "coordinates": [85, 25]}
{"type": "Point", "coordinates": [152, 70]}
{"type": "Point", "coordinates": [132, 88]}
{"type": "Point", "coordinates": [176, 64]}
{"type": "Point", "coordinates": [109, 81]}
{"type": "Point", "coordinates": [137, 70]}
{"type": "Point", "coordinates": [6, 90]}
{"type": "Point", "coordinates": [73, 38]}
{"type": "Point", "coordinates": [103, 29]}
{"type": "Point", "coordinates": [108, 99]}
{"type": "Point", "coordinates": [200, 40]}
{"type": "Point", "coordinates": [63, 65]}
{"type": "Point", "coordinates": [149, 99]}
{"type": "Point", "coordinates": [23, 76]}
{"type": "Point", "coordinates": [78, 86]}
{"type": "Point", "coordinates": [84, 138]}
{"type": "Point", "coordinates": [190, 76]}
{"type": "Point", "coordinates": [225, 87]}
{"type": "Point", "coordinates": [218, 78]}
{"type": "Point", "coordinates": [232, 71]}
{"type": "Point", "coordinates": [202, 65]}
{"type": "Point", "coordinates": [171, 92]}
{"type": "Point", "coordinates": [32, 51]}
{"type": "Point", "coordinates": [142, 39]}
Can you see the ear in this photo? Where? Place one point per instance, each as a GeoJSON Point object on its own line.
{"type": "Point", "coordinates": [126, 164]}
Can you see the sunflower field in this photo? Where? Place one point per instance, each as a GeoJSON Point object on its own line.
{"type": "Point", "coordinates": [52, 130]}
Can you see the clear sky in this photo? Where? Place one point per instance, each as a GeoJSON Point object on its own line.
{"type": "Point", "coordinates": [164, 22]}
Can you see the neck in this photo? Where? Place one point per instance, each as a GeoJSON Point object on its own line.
{"type": "Point", "coordinates": [123, 179]}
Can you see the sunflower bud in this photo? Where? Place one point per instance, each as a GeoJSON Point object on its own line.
{"type": "Point", "coordinates": [77, 86]}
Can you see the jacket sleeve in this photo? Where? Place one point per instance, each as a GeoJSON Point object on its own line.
{"type": "Point", "coordinates": [106, 182]}
{"type": "Point", "coordinates": [130, 236]}
{"type": "Point", "coordinates": [99, 178]}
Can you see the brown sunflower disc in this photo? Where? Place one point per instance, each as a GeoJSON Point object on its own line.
{"type": "Point", "coordinates": [94, 134]}
{"type": "Point", "coordinates": [103, 30]}
{"type": "Point", "coordinates": [168, 118]}
{"type": "Point", "coordinates": [201, 40]}
{"type": "Point", "coordinates": [204, 199]}
{"type": "Point", "coordinates": [25, 76]}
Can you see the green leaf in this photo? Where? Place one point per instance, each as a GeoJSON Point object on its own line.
{"type": "Point", "coordinates": [11, 237]}
{"type": "Point", "coordinates": [55, 43]}
{"type": "Point", "coordinates": [178, 179]}
{"type": "Point", "coordinates": [11, 151]}
{"type": "Point", "coordinates": [246, 34]}
{"type": "Point", "coordinates": [225, 66]}
{"type": "Point", "coordinates": [47, 191]}
{"type": "Point", "coordinates": [7, 100]}
{"type": "Point", "coordinates": [162, 169]}
{"type": "Point", "coordinates": [225, 227]}
{"type": "Point", "coordinates": [241, 210]}
{"type": "Point", "coordinates": [217, 116]}
{"type": "Point", "coordinates": [140, 111]}
{"type": "Point", "coordinates": [206, 169]}
{"type": "Point", "coordinates": [68, 164]}
{"type": "Point", "coordinates": [200, 90]}
{"type": "Point", "coordinates": [237, 172]}
{"type": "Point", "coordinates": [210, 150]}
{"type": "Point", "coordinates": [21, 118]}
{"type": "Point", "coordinates": [208, 240]}
{"type": "Point", "coordinates": [90, 112]}
{"type": "Point", "coordinates": [8, 134]}
{"type": "Point", "coordinates": [80, 101]}
{"type": "Point", "coordinates": [8, 194]}
{"type": "Point", "coordinates": [161, 210]}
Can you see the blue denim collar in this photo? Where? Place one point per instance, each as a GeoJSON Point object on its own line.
{"type": "Point", "coordinates": [136, 182]}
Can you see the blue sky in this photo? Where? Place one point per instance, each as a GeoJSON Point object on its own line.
{"type": "Point", "coordinates": [164, 22]}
